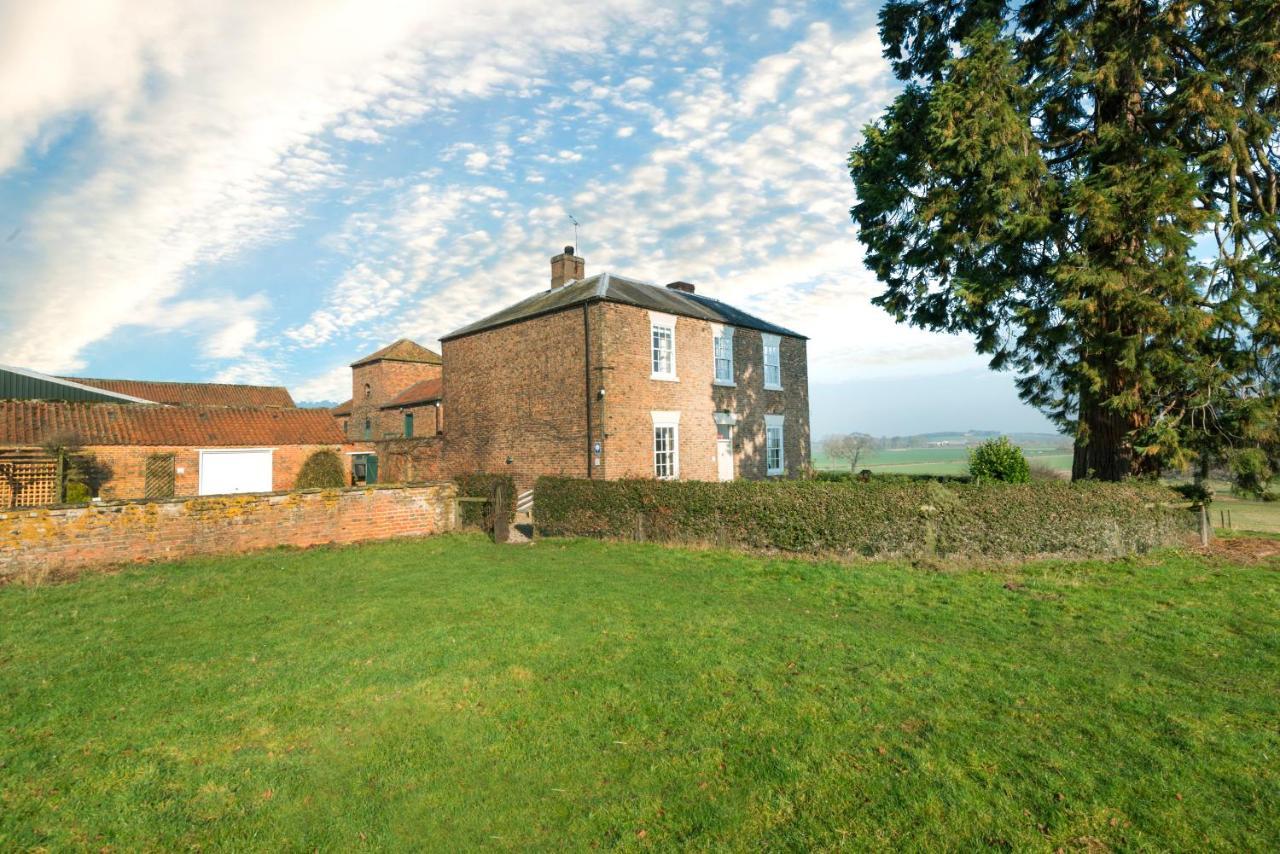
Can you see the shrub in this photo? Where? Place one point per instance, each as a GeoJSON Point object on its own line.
{"type": "Point", "coordinates": [77, 493]}
{"type": "Point", "coordinates": [481, 485]}
{"type": "Point", "coordinates": [1199, 494]}
{"type": "Point", "coordinates": [322, 470]}
{"type": "Point", "coordinates": [1251, 471]}
{"type": "Point", "coordinates": [999, 459]}
{"type": "Point", "coordinates": [876, 518]}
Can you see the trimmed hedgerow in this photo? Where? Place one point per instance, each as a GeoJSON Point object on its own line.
{"type": "Point", "coordinates": [481, 485]}
{"type": "Point", "coordinates": [888, 477]}
{"type": "Point", "coordinates": [906, 519]}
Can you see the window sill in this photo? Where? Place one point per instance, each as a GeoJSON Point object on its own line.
{"type": "Point", "coordinates": [666, 378]}
{"type": "Point", "coordinates": [772, 387]}
{"type": "Point", "coordinates": [772, 473]}
{"type": "Point", "coordinates": [724, 383]}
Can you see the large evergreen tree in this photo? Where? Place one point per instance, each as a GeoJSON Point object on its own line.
{"type": "Point", "coordinates": [1089, 187]}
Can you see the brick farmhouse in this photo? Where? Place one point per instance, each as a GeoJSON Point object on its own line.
{"type": "Point", "coordinates": [608, 377]}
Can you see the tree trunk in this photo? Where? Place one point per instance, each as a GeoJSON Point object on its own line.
{"type": "Point", "coordinates": [1102, 451]}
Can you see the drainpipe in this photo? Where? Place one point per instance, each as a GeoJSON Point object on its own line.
{"type": "Point", "coordinates": [586, 370]}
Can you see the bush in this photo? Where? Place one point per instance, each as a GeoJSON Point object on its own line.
{"type": "Point", "coordinates": [1251, 471]}
{"type": "Point", "coordinates": [1199, 494]}
{"type": "Point", "coordinates": [999, 459]}
{"type": "Point", "coordinates": [77, 493]}
{"type": "Point", "coordinates": [322, 470]}
{"type": "Point", "coordinates": [481, 485]}
{"type": "Point", "coordinates": [876, 518]}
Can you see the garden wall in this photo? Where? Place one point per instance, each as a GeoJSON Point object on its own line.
{"type": "Point", "coordinates": [872, 519]}
{"type": "Point", "coordinates": [65, 539]}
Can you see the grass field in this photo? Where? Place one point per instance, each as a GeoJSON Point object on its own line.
{"type": "Point", "coordinates": [947, 460]}
{"type": "Point", "coordinates": [571, 694]}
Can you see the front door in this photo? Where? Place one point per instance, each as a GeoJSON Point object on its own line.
{"type": "Point", "coordinates": [724, 451]}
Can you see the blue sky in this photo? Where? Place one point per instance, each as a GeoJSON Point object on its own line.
{"type": "Point", "coordinates": [264, 192]}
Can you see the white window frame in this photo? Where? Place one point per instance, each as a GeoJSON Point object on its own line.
{"type": "Point", "coordinates": [773, 342]}
{"type": "Point", "coordinates": [771, 423]}
{"type": "Point", "coordinates": [724, 334]}
{"type": "Point", "coordinates": [667, 419]}
{"type": "Point", "coordinates": [658, 320]}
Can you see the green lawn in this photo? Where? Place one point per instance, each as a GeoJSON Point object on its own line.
{"type": "Point", "coordinates": [454, 694]}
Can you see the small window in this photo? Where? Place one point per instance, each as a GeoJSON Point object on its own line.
{"type": "Point", "coordinates": [345, 425]}
{"type": "Point", "coordinates": [772, 362]}
{"type": "Point", "coordinates": [408, 425]}
{"type": "Point", "coordinates": [722, 352]}
{"type": "Point", "coordinates": [666, 445]}
{"type": "Point", "coordinates": [368, 391]}
{"type": "Point", "coordinates": [774, 461]}
{"type": "Point", "coordinates": [368, 429]}
{"type": "Point", "coordinates": [662, 332]}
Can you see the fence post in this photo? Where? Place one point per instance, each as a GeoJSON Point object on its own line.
{"type": "Point", "coordinates": [1204, 526]}
{"type": "Point", "coordinates": [501, 524]}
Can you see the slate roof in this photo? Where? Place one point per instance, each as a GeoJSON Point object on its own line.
{"type": "Point", "coordinates": [607, 287]}
{"type": "Point", "coordinates": [30, 422]}
{"type": "Point", "coordinates": [425, 391]}
{"type": "Point", "coordinates": [194, 394]}
{"type": "Point", "coordinates": [403, 350]}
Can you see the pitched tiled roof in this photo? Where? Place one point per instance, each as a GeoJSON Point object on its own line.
{"type": "Point", "coordinates": [403, 350]}
{"type": "Point", "coordinates": [30, 422]}
{"type": "Point", "coordinates": [197, 394]}
{"type": "Point", "coordinates": [420, 392]}
{"type": "Point", "coordinates": [607, 287]}
{"type": "Point", "coordinates": [343, 408]}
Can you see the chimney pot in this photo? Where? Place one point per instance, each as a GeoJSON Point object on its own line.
{"type": "Point", "coordinates": [568, 250]}
{"type": "Point", "coordinates": [683, 287]}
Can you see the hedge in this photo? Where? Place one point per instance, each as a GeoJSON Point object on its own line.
{"type": "Point", "coordinates": [481, 485]}
{"type": "Point", "coordinates": [888, 477]}
{"type": "Point", "coordinates": [881, 519]}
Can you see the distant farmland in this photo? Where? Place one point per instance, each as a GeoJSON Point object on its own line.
{"type": "Point", "coordinates": [951, 459]}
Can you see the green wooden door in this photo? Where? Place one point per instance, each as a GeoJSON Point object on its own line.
{"type": "Point", "coordinates": [371, 469]}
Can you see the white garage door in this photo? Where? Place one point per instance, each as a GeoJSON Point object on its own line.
{"type": "Point", "coordinates": [239, 470]}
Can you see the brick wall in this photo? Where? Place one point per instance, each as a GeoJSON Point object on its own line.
{"type": "Point", "coordinates": [410, 460]}
{"type": "Point", "coordinates": [386, 379]}
{"type": "Point", "coordinates": [128, 467]}
{"type": "Point", "coordinates": [35, 543]}
{"type": "Point", "coordinates": [519, 391]}
{"type": "Point", "coordinates": [631, 396]}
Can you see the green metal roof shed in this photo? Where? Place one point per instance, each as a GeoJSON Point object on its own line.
{"type": "Point", "coordinates": [22, 384]}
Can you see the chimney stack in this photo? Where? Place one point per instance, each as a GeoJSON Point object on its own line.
{"type": "Point", "coordinates": [683, 287]}
{"type": "Point", "coordinates": [567, 267]}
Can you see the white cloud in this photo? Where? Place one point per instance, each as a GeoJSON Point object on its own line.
{"type": "Point", "coordinates": [780, 18]}
{"type": "Point", "coordinates": [209, 126]}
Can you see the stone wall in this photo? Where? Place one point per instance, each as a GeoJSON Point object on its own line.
{"type": "Point", "coordinates": [52, 541]}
